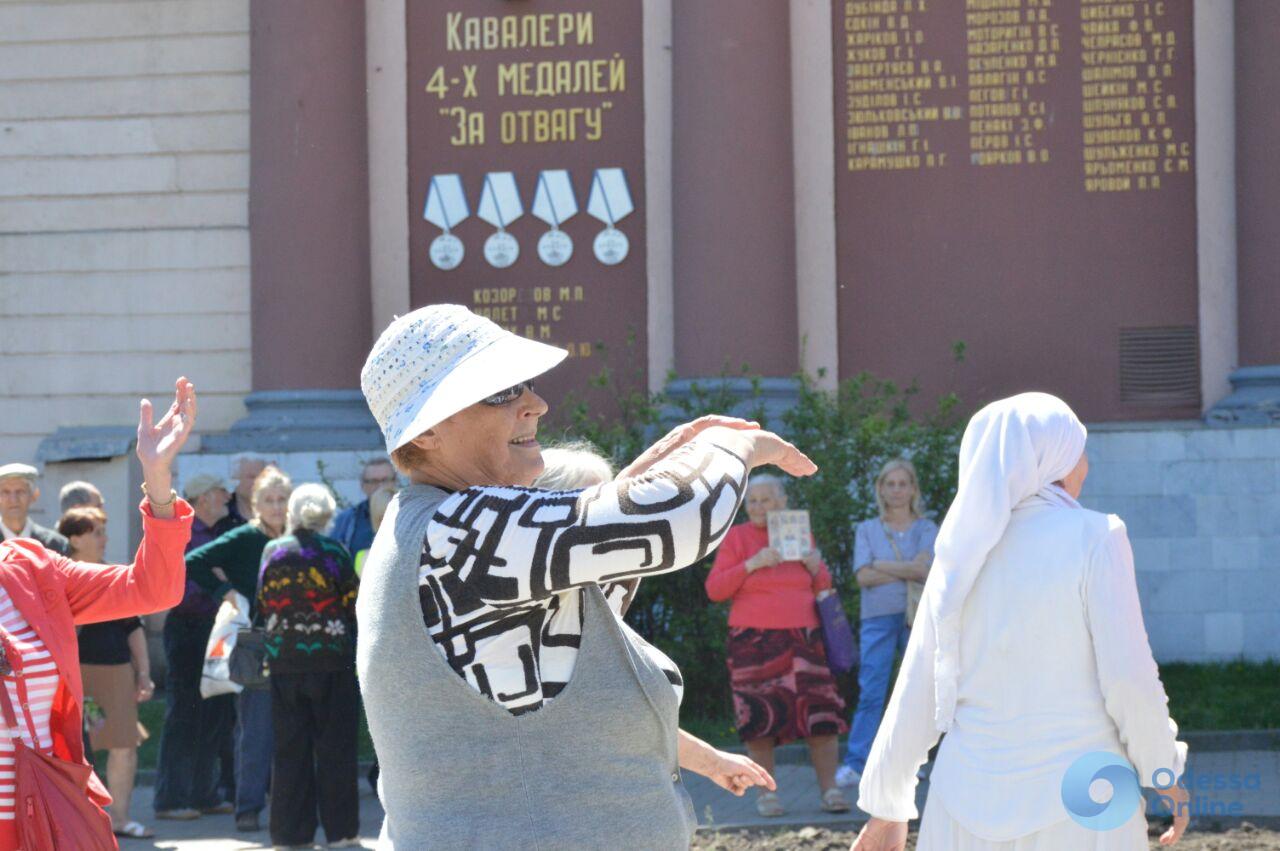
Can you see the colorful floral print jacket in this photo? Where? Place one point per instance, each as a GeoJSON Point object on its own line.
{"type": "Point", "coordinates": [307, 601]}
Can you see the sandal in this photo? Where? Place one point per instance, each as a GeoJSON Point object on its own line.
{"type": "Point", "coordinates": [768, 805]}
{"type": "Point", "coordinates": [833, 801]}
{"type": "Point", "coordinates": [133, 830]}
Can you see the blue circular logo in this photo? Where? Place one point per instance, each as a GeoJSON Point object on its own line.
{"type": "Point", "coordinates": [1126, 793]}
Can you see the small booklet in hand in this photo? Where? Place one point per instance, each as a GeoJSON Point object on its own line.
{"type": "Point", "coordinates": [789, 534]}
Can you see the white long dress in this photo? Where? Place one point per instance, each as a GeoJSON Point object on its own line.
{"type": "Point", "coordinates": [1054, 663]}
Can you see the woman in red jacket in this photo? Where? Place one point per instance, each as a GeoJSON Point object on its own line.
{"type": "Point", "coordinates": [44, 595]}
{"type": "Point", "coordinates": [782, 687]}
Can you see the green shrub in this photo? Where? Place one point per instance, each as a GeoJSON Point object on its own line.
{"type": "Point", "coordinates": [849, 434]}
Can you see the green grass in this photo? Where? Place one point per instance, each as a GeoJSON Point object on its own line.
{"type": "Point", "coordinates": [1223, 696]}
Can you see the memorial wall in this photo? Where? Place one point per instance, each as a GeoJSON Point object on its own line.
{"type": "Point", "coordinates": [1017, 176]}
{"type": "Point", "coordinates": [526, 174]}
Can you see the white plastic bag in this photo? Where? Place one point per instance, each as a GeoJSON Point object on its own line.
{"type": "Point", "coordinates": [231, 618]}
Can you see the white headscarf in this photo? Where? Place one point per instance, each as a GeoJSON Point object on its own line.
{"type": "Point", "coordinates": [1012, 452]}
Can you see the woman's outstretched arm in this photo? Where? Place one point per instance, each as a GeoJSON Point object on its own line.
{"type": "Point", "coordinates": [512, 545]}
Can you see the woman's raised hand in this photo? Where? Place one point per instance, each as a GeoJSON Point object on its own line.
{"type": "Point", "coordinates": [759, 447]}
{"type": "Point", "coordinates": [768, 448]}
{"type": "Point", "coordinates": [160, 442]}
{"type": "Point", "coordinates": [679, 436]}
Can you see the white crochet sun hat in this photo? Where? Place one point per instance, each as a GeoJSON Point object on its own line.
{"type": "Point", "coordinates": [439, 359]}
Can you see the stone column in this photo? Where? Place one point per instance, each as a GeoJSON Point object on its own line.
{"type": "Point", "coordinates": [387, 70]}
{"type": "Point", "coordinates": [1256, 383]}
{"type": "Point", "coordinates": [733, 194]}
{"type": "Point", "coordinates": [812, 139]}
{"type": "Point", "coordinates": [658, 189]}
{"type": "Point", "coordinates": [1216, 196]}
{"type": "Point", "coordinates": [309, 229]}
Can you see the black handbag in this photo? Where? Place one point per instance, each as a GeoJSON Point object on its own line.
{"type": "Point", "coordinates": [248, 661]}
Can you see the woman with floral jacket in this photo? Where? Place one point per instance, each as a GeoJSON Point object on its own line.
{"type": "Point", "coordinates": [307, 598]}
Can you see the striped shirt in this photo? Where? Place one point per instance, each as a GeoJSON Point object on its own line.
{"type": "Point", "coordinates": [503, 569]}
{"type": "Point", "coordinates": [40, 676]}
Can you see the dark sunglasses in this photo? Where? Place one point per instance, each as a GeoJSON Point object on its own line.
{"type": "Point", "coordinates": [506, 397]}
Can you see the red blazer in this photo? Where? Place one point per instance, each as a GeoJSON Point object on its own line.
{"type": "Point", "coordinates": [55, 593]}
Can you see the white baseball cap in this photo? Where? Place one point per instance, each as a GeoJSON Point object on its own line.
{"type": "Point", "coordinates": [439, 359]}
{"type": "Point", "coordinates": [198, 486]}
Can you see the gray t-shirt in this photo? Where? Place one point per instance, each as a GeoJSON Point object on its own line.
{"type": "Point", "coordinates": [872, 543]}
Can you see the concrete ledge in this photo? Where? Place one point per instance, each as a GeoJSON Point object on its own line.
{"type": "Point", "coordinates": [1206, 741]}
{"type": "Point", "coordinates": [86, 443]}
{"type": "Point", "coordinates": [300, 421]}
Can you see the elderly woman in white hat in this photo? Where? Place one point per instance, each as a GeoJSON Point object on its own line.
{"type": "Point", "coordinates": [507, 704]}
{"type": "Point", "coordinates": [1031, 654]}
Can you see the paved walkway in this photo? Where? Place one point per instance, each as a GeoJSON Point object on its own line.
{"type": "Point", "coordinates": [218, 833]}
{"type": "Point", "coordinates": [1250, 782]}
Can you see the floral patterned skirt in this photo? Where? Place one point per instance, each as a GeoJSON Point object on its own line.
{"type": "Point", "coordinates": [782, 687]}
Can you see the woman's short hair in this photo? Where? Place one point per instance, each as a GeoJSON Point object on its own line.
{"type": "Point", "coordinates": [570, 466]}
{"type": "Point", "coordinates": [81, 521]}
{"type": "Point", "coordinates": [917, 501]}
{"type": "Point", "coordinates": [408, 458]}
{"type": "Point", "coordinates": [270, 477]}
{"type": "Point", "coordinates": [311, 507]}
{"type": "Point", "coordinates": [779, 486]}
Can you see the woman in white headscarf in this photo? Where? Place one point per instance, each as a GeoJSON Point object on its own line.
{"type": "Point", "coordinates": [1033, 654]}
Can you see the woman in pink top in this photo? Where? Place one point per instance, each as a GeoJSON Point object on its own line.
{"type": "Point", "coordinates": [782, 687]}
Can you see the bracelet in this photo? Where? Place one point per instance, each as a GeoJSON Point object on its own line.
{"type": "Point", "coordinates": [173, 497]}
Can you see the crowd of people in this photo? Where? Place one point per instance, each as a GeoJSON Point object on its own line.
{"type": "Point", "coordinates": [264, 546]}
{"type": "Point", "coordinates": [264, 540]}
{"type": "Point", "coordinates": [477, 613]}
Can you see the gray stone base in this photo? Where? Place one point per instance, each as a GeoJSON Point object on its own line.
{"type": "Point", "coordinates": [1255, 400]}
{"type": "Point", "coordinates": [300, 421]}
{"type": "Point", "coordinates": [86, 443]}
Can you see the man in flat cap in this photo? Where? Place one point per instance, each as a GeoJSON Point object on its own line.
{"type": "Point", "coordinates": [18, 492]}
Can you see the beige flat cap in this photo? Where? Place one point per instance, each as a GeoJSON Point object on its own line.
{"type": "Point", "coordinates": [19, 471]}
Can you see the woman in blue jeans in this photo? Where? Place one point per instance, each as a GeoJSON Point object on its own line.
{"type": "Point", "coordinates": [889, 551]}
{"type": "Point", "coordinates": [225, 567]}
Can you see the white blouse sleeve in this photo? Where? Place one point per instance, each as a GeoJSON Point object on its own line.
{"type": "Point", "coordinates": [1127, 672]}
{"type": "Point", "coordinates": [888, 786]}
{"type": "Point", "coordinates": [510, 546]}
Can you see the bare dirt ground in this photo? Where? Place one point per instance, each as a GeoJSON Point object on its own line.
{"type": "Point", "coordinates": [1246, 837]}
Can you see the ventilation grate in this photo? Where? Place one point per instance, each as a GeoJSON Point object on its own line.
{"type": "Point", "coordinates": [1160, 366]}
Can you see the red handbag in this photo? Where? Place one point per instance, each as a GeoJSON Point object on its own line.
{"type": "Point", "coordinates": [53, 811]}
